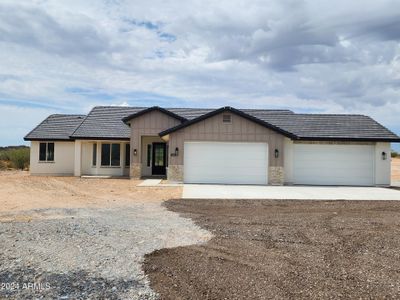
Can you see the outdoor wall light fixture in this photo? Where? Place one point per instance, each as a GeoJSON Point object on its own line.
{"type": "Point", "coordinates": [176, 151]}
{"type": "Point", "coordinates": [276, 153]}
{"type": "Point", "coordinates": [134, 152]}
{"type": "Point", "coordinates": [384, 155]}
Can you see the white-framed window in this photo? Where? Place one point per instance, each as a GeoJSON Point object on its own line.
{"type": "Point", "coordinates": [94, 155]}
{"type": "Point", "coordinates": [46, 152]}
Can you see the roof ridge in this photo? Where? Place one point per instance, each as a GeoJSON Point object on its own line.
{"type": "Point", "coordinates": [84, 119]}
{"type": "Point", "coordinates": [68, 115]}
{"type": "Point", "coordinates": [48, 119]}
{"type": "Point", "coordinates": [197, 108]}
{"type": "Point", "coordinates": [36, 127]}
{"type": "Point", "coordinates": [119, 106]}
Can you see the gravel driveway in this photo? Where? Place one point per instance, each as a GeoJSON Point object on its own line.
{"type": "Point", "coordinates": [88, 252]}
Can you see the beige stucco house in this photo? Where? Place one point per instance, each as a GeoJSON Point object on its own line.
{"type": "Point", "coordinates": [226, 145]}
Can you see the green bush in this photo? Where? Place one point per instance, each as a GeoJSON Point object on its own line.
{"type": "Point", "coordinates": [394, 154]}
{"type": "Point", "coordinates": [19, 158]}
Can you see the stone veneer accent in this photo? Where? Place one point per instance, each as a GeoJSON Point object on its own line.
{"type": "Point", "coordinates": [276, 175]}
{"type": "Point", "coordinates": [135, 171]}
{"type": "Point", "coordinates": [175, 173]}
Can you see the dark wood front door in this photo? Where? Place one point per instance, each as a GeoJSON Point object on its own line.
{"type": "Point", "coordinates": [159, 159]}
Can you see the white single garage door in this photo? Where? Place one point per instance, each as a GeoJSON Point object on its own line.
{"type": "Point", "coordinates": [333, 164]}
{"type": "Point", "coordinates": [229, 163]}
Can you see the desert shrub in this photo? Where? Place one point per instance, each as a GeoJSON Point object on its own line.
{"type": "Point", "coordinates": [395, 154]}
{"type": "Point", "coordinates": [3, 165]}
{"type": "Point", "coordinates": [19, 158]}
{"type": "Point", "coordinates": [4, 155]}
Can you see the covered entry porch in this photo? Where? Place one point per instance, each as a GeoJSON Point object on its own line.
{"type": "Point", "coordinates": [102, 158]}
{"type": "Point", "coordinates": [151, 157]}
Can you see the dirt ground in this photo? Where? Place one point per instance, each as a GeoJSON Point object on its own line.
{"type": "Point", "coordinates": [266, 249]}
{"type": "Point", "coordinates": [396, 171]}
{"type": "Point", "coordinates": [72, 238]}
{"type": "Point", "coordinates": [20, 191]}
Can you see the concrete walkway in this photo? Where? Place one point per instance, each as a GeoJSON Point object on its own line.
{"type": "Point", "coordinates": [150, 182]}
{"type": "Point", "coordinates": [205, 191]}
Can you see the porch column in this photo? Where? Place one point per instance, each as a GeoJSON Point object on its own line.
{"type": "Point", "coordinates": [122, 158]}
{"type": "Point", "coordinates": [135, 170]}
{"type": "Point", "coordinates": [78, 158]}
{"type": "Point", "coordinates": [98, 157]}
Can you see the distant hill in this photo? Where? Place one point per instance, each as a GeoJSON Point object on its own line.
{"type": "Point", "coordinates": [13, 147]}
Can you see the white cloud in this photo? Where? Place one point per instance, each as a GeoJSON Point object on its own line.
{"type": "Point", "coordinates": [68, 56]}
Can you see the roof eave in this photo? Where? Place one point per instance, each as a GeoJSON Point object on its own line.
{"type": "Point", "coordinates": [49, 139]}
{"type": "Point", "coordinates": [350, 139]}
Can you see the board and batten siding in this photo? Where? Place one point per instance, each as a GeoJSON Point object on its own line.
{"type": "Point", "coordinates": [149, 124]}
{"type": "Point", "coordinates": [239, 130]}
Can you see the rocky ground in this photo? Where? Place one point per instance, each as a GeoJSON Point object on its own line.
{"type": "Point", "coordinates": [265, 249]}
{"type": "Point", "coordinates": [85, 250]}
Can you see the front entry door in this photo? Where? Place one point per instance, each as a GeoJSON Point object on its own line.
{"type": "Point", "coordinates": [159, 159]}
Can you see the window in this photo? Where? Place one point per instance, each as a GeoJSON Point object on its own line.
{"type": "Point", "coordinates": [110, 155]}
{"type": "Point", "coordinates": [94, 155]}
{"type": "Point", "coordinates": [127, 155]}
{"type": "Point", "coordinates": [46, 152]}
{"type": "Point", "coordinates": [115, 154]}
{"type": "Point", "coordinates": [226, 118]}
{"type": "Point", "coordinates": [148, 155]}
{"type": "Point", "coordinates": [42, 151]}
{"type": "Point", "coordinates": [105, 154]}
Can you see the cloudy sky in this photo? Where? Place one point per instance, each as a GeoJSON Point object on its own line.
{"type": "Point", "coordinates": [309, 56]}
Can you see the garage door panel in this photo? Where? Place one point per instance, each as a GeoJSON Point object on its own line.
{"type": "Point", "coordinates": [230, 162]}
{"type": "Point", "coordinates": [333, 164]}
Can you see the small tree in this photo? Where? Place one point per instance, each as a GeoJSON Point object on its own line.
{"type": "Point", "coordinates": [394, 154]}
{"type": "Point", "coordinates": [19, 158]}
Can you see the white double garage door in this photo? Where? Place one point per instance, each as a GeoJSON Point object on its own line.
{"type": "Point", "coordinates": [247, 163]}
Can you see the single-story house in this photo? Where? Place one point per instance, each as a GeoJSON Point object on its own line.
{"type": "Point", "coordinates": [226, 145]}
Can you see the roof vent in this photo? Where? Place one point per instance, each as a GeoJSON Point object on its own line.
{"type": "Point", "coordinates": [226, 118]}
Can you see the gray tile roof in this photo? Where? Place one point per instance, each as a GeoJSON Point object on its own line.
{"type": "Point", "coordinates": [328, 126]}
{"type": "Point", "coordinates": [190, 113]}
{"type": "Point", "coordinates": [105, 122]}
{"type": "Point", "coordinates": [55, 127]}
